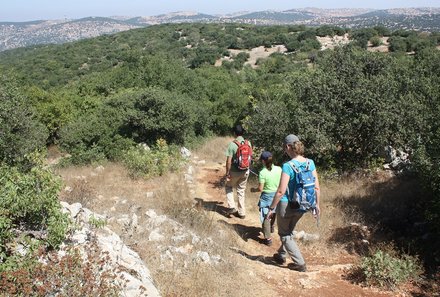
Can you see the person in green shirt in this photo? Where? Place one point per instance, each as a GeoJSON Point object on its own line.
{"type": "Point", "coordinates": [269, 179]}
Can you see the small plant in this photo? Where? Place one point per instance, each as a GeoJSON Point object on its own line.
{"type": "Point", "coordinates": [375, 41]}
{"type": "Point", "coordinates": [81, 191]}
{"type": "Point", "coordinates": [388, 270]}
{"type": "Point", "coordinates": [96, 222]}
{"type": "Point", "coordinates": [69, 275]}
{"type": "Point", "coordinates": [375, 163]}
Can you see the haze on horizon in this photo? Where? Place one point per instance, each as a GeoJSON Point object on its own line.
{"type": "Point", "coordinates": [28, 10]}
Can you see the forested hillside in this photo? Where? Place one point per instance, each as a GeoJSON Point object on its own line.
{"type": "Point", "coordinates": [21, 34]}
{"type": "Point", "coordinates": [97, 99]}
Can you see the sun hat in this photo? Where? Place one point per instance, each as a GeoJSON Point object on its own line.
{"type": "Point", "coordinates": [265, 155]}
{"type": "Point", "coordinates": [290, 139]}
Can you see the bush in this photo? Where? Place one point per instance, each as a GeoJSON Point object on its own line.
{"type": "Point", "coordinates": [361, 36]}
{"type": "Point", "coordinates": [29, 204]}
{"type": "Point", "coordinates": [96, 134]}
{"type": "Point", "coordinates": [145, 163]}
{"type": "Point", "coordinates": [375, 41]}
{"type": "Point", "coordinates": [428, 168]}
{"type": "Point", "coordinates": [20, 132]}
{"type": "Point", "coordinates": [159, 113]}
{"type": "Point", "coordinates": [107, 131]}
{"type": "Point", "coordinates": [397, 44]}
{"type": "Point", "coordinates": [386, 270]}
{"type": "Point", "coordinates": [331, 106]}
{"type": "Point", "coordinates": [69, 275]}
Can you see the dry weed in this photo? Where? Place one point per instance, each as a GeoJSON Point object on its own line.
{"type": "Point", "coordinates": [80, 191]}
{"type": "Point", "coordinates": [214, 149]}
{"type": "Point", "coordinates": [181, 274]}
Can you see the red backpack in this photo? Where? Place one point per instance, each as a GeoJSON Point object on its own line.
{"type": "Point", "coordinates": [243, 156]}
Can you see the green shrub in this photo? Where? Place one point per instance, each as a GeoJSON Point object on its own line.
{"type": "Point", "coordinates": [397, 44]}
{"type": "Point", "coordinates": [330, 106]}
{"type": "Point", "coordinates": [20, 132]}
{"type": "Point", "coordinates": [375, 41]}
{"type": "Point", "coordinates": [69, 275]}
{"type": "Point", "coordinates": [53, 109]}
{"type": "Point", "coordinates": [97, 222]}
{"type": "Point", "coordinates": [96, 134]}
{"type": "Point", "coordinates": [385, 269]}
{"type": "Point", "coordinates": [173, 116]}
{"type": "Point", "coordinates": [427, 164]}
{"type": "Point", "coordinates": [29, 203]}
{"type": "Point", "coordinates": [157, 161]}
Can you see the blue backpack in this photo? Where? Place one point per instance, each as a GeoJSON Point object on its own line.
{"type": "Point", "coordinates": [304, 196]}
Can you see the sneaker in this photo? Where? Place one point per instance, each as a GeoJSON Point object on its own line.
{"type": "Point", "coordinates": [267, 241]}
{"type": "Point", "coordinates": [231, 211]}
{"type": "Point", "coordinates": [279, 259]}
{"type": "Point", "coordinates": [296, 267]}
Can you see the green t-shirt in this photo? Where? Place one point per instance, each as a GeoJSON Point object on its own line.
{"type": "Point", "coordinates": [232, 150]}
{"type": "Point", "coordinates": [271, 179]}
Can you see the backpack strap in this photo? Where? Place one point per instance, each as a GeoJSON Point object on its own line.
{"type": "Point", "coordinates": [236, 142]}
{"type": "Point", "coordinates": [307, 164]}
{"type": "Point", "coordinates": [296, 169]}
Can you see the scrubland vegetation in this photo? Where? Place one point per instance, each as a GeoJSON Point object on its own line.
{"type": "Point", "coordinates": [98, 99]}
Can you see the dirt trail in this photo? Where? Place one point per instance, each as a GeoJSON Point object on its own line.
{"type": "Point", "coordinates": [115, 195]}
{"type": "Point", "coordinates": [325, 272]}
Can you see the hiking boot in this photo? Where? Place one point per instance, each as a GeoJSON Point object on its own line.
{"type": "Point", "coordinates": [279, 259]}
{"type": "Point", "coordinates": [267, 241]}
{"type": "Point", "coordinates": [240, 216]}
{"type": "Point", "coordinates": [231, 211]}
{"type": "Point", "coordinates": [296, 267]}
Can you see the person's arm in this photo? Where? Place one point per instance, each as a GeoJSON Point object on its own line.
{"type": "Point", "coordinates": [318, 192]}
{"type": "Point", "coordinates": [260, 187]}
{"type": "Point", "coordinates": [228, 166]}
{"type": "Point", "coordinates": [282, 187]}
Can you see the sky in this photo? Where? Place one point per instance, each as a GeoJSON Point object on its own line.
{"type": "Point", "coordinates": [27, 10]}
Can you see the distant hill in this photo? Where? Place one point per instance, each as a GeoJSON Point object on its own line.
{"type": "Point", "coordinates": [275, 17]}
{"type": "Point", "coordinates": [394, 20]}
{"type": "Point", "coordinates": [21, 34]}
{"type": "Point", "coordinates": [13, 35]}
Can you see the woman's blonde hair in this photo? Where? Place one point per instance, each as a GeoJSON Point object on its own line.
{"type": "Point", "coordinates": [298, 148]}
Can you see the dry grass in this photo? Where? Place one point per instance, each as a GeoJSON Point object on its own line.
{"type": "Point", "coordinates": [180, 274]}
{"type": "Point", "coordinates": [190, 276]}
{"type": "Point", "coordinates": [381, 203]}
{"type": "Point", "coordinates": [79, 191]}
{"type": "Point", "coordinates": [116, 194]}
{"type": "Point", "coordinates": [214, 149]}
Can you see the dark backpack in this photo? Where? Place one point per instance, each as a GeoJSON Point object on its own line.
{"type": "Point", "coordinates": [243, 156]}
{"type": "Point", "coordinates": [304, 196]}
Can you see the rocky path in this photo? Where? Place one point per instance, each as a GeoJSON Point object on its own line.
{"type": "Point", "coordinates": [131, 209]}
{"type": "Point", "coordinates": [325, 271]}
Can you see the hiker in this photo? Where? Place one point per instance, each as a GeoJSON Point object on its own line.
{"type": "Point", "coordinates": [289, 211]}
{"type": "Point", "coordinates": [237, 171]}
{"type": "Point", "coordinates": [269, 179]}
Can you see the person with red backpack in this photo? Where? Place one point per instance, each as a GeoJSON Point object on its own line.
{"type": "Point", "coordinates": [238, 162]}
